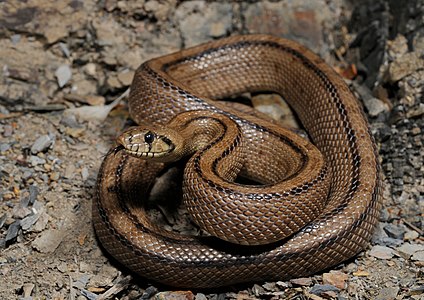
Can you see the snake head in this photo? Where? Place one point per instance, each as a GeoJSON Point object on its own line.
{"type": "Point", "coordinates": [157, 144]}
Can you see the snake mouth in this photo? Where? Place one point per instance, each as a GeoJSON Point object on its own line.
{"type": "Point", "coordinates": [136, 150]}
{"type": "Point", "coordinates": [118, 148]}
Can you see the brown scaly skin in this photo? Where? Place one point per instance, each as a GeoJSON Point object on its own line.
{"type": "Point", "coordinates": [317, 232]}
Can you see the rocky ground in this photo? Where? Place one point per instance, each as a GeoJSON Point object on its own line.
{"type": "Point", "coordinates": [63, 62]}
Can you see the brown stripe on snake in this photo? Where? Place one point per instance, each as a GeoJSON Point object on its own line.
{"type": "Point", "coordinates": [165, 88]}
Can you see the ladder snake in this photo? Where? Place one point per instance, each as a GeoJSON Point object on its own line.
{"type": "Point", "coordinates": [313, 207]}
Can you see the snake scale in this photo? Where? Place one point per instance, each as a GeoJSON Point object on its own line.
{"type": "Point", "coordinates": [323, 201]}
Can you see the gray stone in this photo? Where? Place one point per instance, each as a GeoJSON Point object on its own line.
{"type": "Point", "coordinates": [395, 231]}
{"type": "Point", "coordinates": [12, 231]}
{"type": "Point", "coordinates": [200, 296]}
{"type": "Point", "coordinates": [29, 221]}
{"type": "Point", "coordinates": [4, 147]}
{"type": "Point", "coordinates": [375, 106]}
{"type": "Point", "coordinates": [318, 289]}
{"type": "Point", "coordinates": [35, 160]}
{"type": "Point", "coordinates": [418, 255]}
{"type": "Point", "coordinates": [63, 75]}
{"type": "Point", "coordinates": [48, 241]}
{"type": "Point", "coordinates": [33, 193]}
{"type": "Point", "coordinates": [410, 249]}
{"type": "Point", "coordinates": [42, 143]}
{"type": "Point", "coordinates": [381, 252]}
{"type": "Point", "coordinates": [148, 293]}
{"type": "Point", "coordinates": [388, 293]}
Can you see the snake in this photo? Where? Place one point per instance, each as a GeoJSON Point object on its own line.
{"type": "Point", "coordinates": [310, 205]}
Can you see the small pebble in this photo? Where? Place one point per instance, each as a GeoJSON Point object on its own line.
{"type": "Point", "coordinates": [69, 171]}
{"type": "Point", "coordinates": [4, 147]}
{"type": "Point", "coordinates": [15, 38]}
{"type": "Point", "coordinates": [200, 296]}
{"type": "Point", "coordinates": [42, 143]}
{"type": "Point", "coordinates": [33, 193]}
{"type": "Point", "coordinates": [411, 235]}
{"type": "Point", "coordinates": [54, 176]}
{"type": "Point", "coordinates": [84, 173]}
{"type": "Point", "coordinates": [148, 293]}
{"type": "Point", "coordinates": [35, 160]}
{"type": "Point", "coordinates": [63, 75]}
{"type": "Point", "coordinates": [7, 131]}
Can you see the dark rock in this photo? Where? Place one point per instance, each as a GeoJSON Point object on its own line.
{"type": "Point", "coordinates": [33, 193]}
{"type": "Point", "coordinates": [395, 231]}
{"type": "Point", "coordinates": [12, 232]}
{"type": "Point", "coordinates": [318, 289]}
{"type": "Point", "coordinates": [148, 293]}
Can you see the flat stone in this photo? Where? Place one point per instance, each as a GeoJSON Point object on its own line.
{"type": "Point", "coordinates": [95, 100]}
{"type": "Point", "coordinates": [42, 143]}
{"type": "Point", "coordinates": [12, 231]}
{"type": "Point", "coordinates": [178, 295]}
{"type": "Point", "coordinates": [126, 77]}
{"type": "Point", "coordinates": [307, 281]}
{"type": "Point", "coordinates": [29, 221]}
{"type": "Point", "coordinates": [388, 293]}
{"type": "Point", "coordinates": [375, 106]}
{"type": "Point", "coordinates": [418, 255]}
{"type": "Point", "coordinates": [410, 249]}
{"type": "Point", "coordinates": [381, 252]}
{"type": "Point", "coordinates": [411, 235]}
{"type": "Point", "coordinates": [405, 65]}
{"type": "Point", "coordinates": [48, 241]}
{"type": "Point", "coordinates": [395, 231]}
{"type": "Point", "coordinates": [35, 160]}
{"type": "Point", "coordinates": [55, 33]}
{"type": "Point", "coordinates": [69, 171]}
{"type": "Point", "coordinates": [318, 289]}
{"type": "Point", "coordinates": [335, 278]}
{"type": "Point", "coordinates": [104, 278]}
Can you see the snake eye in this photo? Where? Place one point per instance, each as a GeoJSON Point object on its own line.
{"type": "Point", "coordinates": [149, 137]}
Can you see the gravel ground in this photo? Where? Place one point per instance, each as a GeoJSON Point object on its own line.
{"type": "Point", "coordinates": [64, 62]}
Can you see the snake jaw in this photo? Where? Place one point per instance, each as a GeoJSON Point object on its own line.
{"type": "Point", "coordinates": [145, 143]}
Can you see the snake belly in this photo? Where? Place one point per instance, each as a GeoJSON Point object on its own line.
{"type": "Point", "coordinates": [192, 79]}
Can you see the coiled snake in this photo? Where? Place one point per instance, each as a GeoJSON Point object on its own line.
{"type": "Point", "coordinates": [313, 206]}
